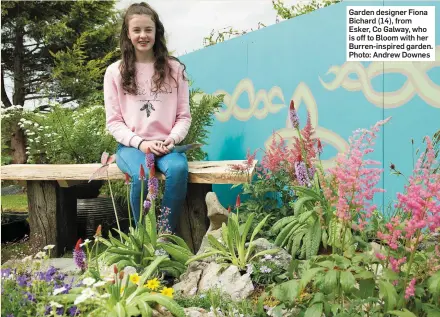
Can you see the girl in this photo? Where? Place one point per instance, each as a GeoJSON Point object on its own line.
{"type": "Point", "coordinates": [147, 107]}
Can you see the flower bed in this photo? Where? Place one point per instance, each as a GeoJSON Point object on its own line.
{"type": "Point", "coordinates": [305, 242]}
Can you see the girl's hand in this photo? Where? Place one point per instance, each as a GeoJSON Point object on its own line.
{"type": "Point", "coordinates": [169, 143]}
{"type": "Point", "coordinates": [156, 147]}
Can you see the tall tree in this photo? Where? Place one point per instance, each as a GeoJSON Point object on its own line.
{"type": "Point", "coordinates": [56, 50]}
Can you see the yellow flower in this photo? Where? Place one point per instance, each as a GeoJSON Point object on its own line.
{"type": "Point", "coordinates": [167, 291]}
{"type": "Point", "coordinates": [122, 289]}
{"type": "Point", "coordinates": [153, 284]}
{"type": "Point", "coordinates": [135, 278]}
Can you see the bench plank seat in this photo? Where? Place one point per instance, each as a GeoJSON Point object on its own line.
{"type": "Point", "coordinates": [52, 198]}
{"type": "Point", "coordinates": [200, 172]}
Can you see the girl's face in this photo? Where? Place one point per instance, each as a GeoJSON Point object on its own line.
{"type": "Point", "coordinates": [142, 32]}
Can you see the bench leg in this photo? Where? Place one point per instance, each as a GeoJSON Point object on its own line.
{"type": "Point", "coordinates": [194, 222]}
{"type": "Point", "coordinates": [52, 216]}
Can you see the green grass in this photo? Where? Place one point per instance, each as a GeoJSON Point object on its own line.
{"type": "Point", "coordinates": [15, 203]}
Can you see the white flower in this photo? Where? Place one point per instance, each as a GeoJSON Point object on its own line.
{"type": "Point", "coordinates": [267, 256]}
{"type": "Point", "coordinates": [81, 298]}
{"type": "Point", "coordinates": [85, 294]}
{"type": "Point", "coordinates": [128, 270]}
{"type": "Point", "coordinates": [36, 125]}
{"type": "Point", "coordinates": [59, 290]}
{"type": "Point", "coordinates": [57, 305]}
{"type": "Point", "coordinates": [86, 241]}
{"type": "Point", "coordinates": [49, 247]}
{"type": "Point", "coordinates": [160, 252]}
{"type": "Point", "coordinates": [265, 269]}
{"type": "Point", "coordinates": [28, 258]}
{"type": "Point", "coordinates": [88, 281]}
{"type": "Point", "coordinates": [99, 284]}
{"type": "Point", "coordinates": [40, 255]}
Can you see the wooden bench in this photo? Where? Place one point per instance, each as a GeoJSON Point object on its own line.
{"type": "Point", "coordinates": [52, 198]}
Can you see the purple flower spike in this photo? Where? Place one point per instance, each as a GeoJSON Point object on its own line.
{"type": "Point", "coordinates": [149, 159]}
{"type": "Point", "coordinates": [147, 205]}
{"type": "Point", "coordinates": [301, 174]}
{"type": "Point", "coordinates": [153, 187]}
{"type": "Point", "coordinates": [79, 256]}
{"type": "Point", "coordinates": [293, 115]}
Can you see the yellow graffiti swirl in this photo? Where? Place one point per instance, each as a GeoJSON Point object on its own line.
{"type": "Point", "coordinates": [244, 114]}
{"type": "Point", "coordinates": [418, 81]}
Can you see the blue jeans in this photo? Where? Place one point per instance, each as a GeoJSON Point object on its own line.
{"type": "Point", "coordinates": [175, 168]}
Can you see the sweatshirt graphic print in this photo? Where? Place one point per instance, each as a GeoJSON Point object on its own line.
{"type": "Point", "coordinates": [148, 114]}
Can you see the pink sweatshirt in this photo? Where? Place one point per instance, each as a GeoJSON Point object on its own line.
{"type": "Point", "coordinates": [146, 115]}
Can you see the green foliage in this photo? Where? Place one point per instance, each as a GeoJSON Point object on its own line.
{"type": "Point", "coordinates": [9, 118]}
{"type": "Point", "coordinates": [142, 245]}
{"type": "Point", "coordinates": [300, 8]}
{"type": "Point", "coordinates": [225, 34]}
{"type": "Point", "coordinates": [125, 299]}
{"type": "Point", "coordinates": [66, 136]}
{"type": "Point", "coordinates": [76, 74]}
{"type": "Point", "coordinates": [202, 107]}
{"type": "Point", "coordinates": [302, 233]}
{"type": "Point", "coordinates": [73, 40]}
{"type": "Point", "coordinates": [232, 246]}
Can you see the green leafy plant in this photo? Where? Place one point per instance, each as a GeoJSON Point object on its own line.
{"type": "Point", "coordinates": [64, 136]}
{"type": "Point", "coordinates": [233, 249]}
{"type": "Point", "coordinates": [124, 297]}
{"type": "Point", "coordinates": [202, 107]}
{"type": "Point", "coordinates": [307, 229]}
{"type": "Point", "coordinates": [141, 245]}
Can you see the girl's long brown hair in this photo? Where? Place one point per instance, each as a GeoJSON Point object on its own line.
{"type": "Point", "coordinates": [162, 57]}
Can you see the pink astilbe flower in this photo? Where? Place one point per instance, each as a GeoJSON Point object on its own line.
{"type": "Point", "coordinates": [394, 233]}
{"type": "Point", "coordinates": [380, 256]}
{"type": "Point", "coordinates": [246, 165]}
{"type": "Point", "coordinates": [308, 142]}
{"type": "Point", "coordinates": [422, 198]}
{"type": "Point", "coordinates": [355, 181]}
{"type": "Point", "coordinates": [397, 263]}
{"type": "Point", "coordinates": [410, 290]}
{"type": "Point", "coordinates": [278, 157]}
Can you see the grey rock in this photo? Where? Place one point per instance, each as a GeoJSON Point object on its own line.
{"type": "Point", "coordinates": [195, 312]}
{"type": "Point", "coordinates": [217, 214]}
{"type": "Point", "coordinates": [203, 276]}
{"type": "Point", "coordinates": [282, 256]}
{"type": "Point", "coordinates": [217, 234]}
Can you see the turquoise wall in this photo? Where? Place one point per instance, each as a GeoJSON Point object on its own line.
{"type": "Point", "coordinates": [304, 59]}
